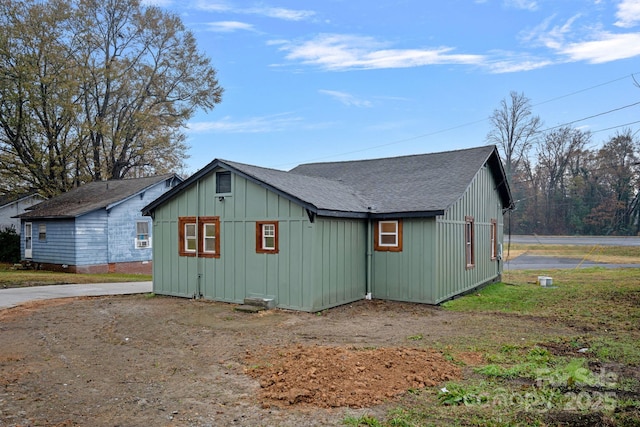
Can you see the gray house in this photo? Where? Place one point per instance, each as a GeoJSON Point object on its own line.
{"type": "Point", "coordinates": [420, 228]}
{"type": "Point", "coordinates": [11, 206]}
{"type": "Point", "coordinates": [95, 228]}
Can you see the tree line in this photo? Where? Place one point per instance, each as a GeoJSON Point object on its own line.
{"type": "Point", "coordinates": [561, 186]}
{"type": "Point", "coordinates": [93, 90]}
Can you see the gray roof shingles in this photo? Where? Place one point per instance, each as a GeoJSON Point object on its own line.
{"type": "Point", "coordinates": [417, 183]}
{"type": "Point", "coordinates": [90, 197]}
{"type": "Point", "coordinates": [425, 184]}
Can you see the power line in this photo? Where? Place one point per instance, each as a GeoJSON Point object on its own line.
{"type": "Point", "coordinates": [586, 89]}
{"type": "Point", "coordinates": [399, 141]}
{"type": "Point", "coordinates": [615, 127]}
{"type": "Point", "coordinates": [591, 117]}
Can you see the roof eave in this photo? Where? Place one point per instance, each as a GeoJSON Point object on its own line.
{"type": "Point", "coordinates": [409, 214]}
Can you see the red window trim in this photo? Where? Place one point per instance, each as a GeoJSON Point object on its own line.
{"type": "Point", "coordinates": [469, 246]}
{"type": "Point", "coordinates": [376, 237]}
{"type": "Point", "coordinates": [200, 221]}
{"type": "Point", "coordinates": [259, 236]}
{"type": "Point", "coordinates": [493, 239]}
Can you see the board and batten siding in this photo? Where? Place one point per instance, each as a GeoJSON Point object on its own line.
{"type": "Point", "coordinates": [301, 276]}
{"type": "Point", "coordinates": [482, 202]}
{"type": "Point", "coordinates": [58, 247]}
{"type": "Point", "coordinates": [339, 262]}
{"type": "Point", "coordinates": [408, 275]}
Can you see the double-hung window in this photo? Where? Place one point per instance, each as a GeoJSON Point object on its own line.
{"type": "Point", "coordinates": [42, 232]}
{"type": "Point", "coordinates": [388, 236]}
{"type": "Point", "coordinates": [267, 237]}
{"type": "Point", "coordinates": [209, 238]}
{"type": "Point", "coordinates": [468, 242]}
{"type": "Point", "coordinates": [199, 236]}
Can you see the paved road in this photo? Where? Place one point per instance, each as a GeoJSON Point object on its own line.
{"type": "Point", "coordinates": [532, 262]}
{"type": "Point", "coordinates": [575, 240]}
{"type": "Point", "coordinates": [16, 296]}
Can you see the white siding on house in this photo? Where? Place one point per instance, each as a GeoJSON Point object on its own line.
{"type": "Point", "coordinates": [16, 208]}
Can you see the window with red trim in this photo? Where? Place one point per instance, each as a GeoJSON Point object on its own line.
{"type": "Point", "coordinates": [493, 238]}
{"type": "Point", "coordinates": [387, 235]}
{"type": "Point", "coordinates": [267, 237]}
{"type": "Point", "coordinates": [468, 242]}
{"type": "Point", "coordinates": [199, 236]}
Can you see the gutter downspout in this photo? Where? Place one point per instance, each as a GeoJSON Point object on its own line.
{"type": "Point", "coordinates": [198, 294]}
{"type": "Point", "coordinates": [369, 261]}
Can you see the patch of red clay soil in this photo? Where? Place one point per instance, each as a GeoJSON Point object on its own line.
{"type": "Point", "coordinates": [335, 376]}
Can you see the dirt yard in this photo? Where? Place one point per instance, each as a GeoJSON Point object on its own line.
{"type": "Point", "coordinates": [140, 361]}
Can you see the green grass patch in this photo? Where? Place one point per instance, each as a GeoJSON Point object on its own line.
{"type": "Point", "coordinates": [536, 377]}
{"type": "Point", "coordinates": [609, 298]}
{"type": "Point", "coordinates": [13, 278]}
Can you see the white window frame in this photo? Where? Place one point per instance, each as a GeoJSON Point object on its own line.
{"type": "Point", "coordinates": [268, 231]}
{"type": "Point", "coordinates": [142, 240]}
{"type": "Point", "coordinates": [395, 234]}
{"type": "Point", "coordinates": [191, 237]}
{"type": "Point", "coordinates": [206, 238]}
{"type": "Point", "coordinates": [42, 232]}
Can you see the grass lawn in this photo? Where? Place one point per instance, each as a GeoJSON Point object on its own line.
{"type": "Point", "coordinates": [12, 278]}
{"type": "Point", "coordinates": [588, 377]}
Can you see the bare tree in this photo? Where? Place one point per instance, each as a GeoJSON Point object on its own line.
{"type": "Point", "coordinates": [515, 130]}
{"type": "Point", "coordinates": [555, 154]}
{"type": "Point", "coordinates": [96, 89]}
{"type": "Point", "coordinates": [618, 181]}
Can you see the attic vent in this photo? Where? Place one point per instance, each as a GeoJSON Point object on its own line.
{"type": "Point", "coordinates": [223, 182]}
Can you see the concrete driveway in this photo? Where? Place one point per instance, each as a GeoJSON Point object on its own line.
{"type": "Point", "coordinates": [16, 296]}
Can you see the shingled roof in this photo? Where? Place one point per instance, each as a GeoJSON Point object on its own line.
{"type": "Point", "coordinates": [421, 184]}
{"type": "Point", "coordinates": [418, 185]}
{"type": "Point", "coordinates": [91, 196]}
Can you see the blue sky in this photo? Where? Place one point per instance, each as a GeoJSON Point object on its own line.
{"type": "Point", "coordinates": [331, 80]}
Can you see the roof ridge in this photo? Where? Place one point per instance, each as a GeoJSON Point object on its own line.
{"type": "Point", "coordinates": [404, 156]}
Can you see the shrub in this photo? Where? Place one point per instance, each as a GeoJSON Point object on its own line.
{"type": "Point", "coordinates": [9, 245]}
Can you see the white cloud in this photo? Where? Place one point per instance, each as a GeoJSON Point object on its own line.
{"type": "Point", "coordinates": [606, 48]}
{"type": "Point", "coordinates": [628, 13]}
{"type": "Point", "coordinates": [212, 6]}
{"type": "Point", "coordinates": [593, 44]}
{"type": "Point", "coordinates": [502, 66]}
{"type": "Point", "coordinates": [159, 3]}
{"type": "Point", "coordinates": [346, 98]}
{"type": "Point", "coordinates": [522, 4]}
{"type": "Point", "coordinates": [554, 37]}
{"type": "Point", "coordinates": [271, 12]}
{"type": "Point", "coordinates": [260, 124]}
{"type": "Point", "coordinates": [229, 26]}
{"type": "Point", "coordinates": [280, 13]}
{"type": "Point", "coordinates": [337, 52]}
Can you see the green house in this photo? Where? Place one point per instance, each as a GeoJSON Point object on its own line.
{"type": "Point", "coordinates": [420, 228]}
